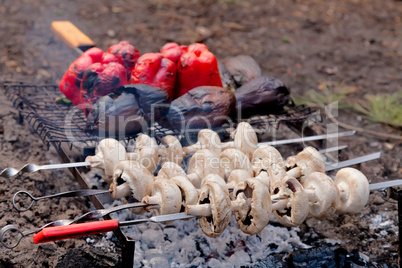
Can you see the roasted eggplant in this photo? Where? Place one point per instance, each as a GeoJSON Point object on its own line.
{"type": "Point", "coordinates": [261, 96]}
{"type": "Point", "coordinates": [242, 68]}
{"type": "Point", "coordinates": [201, 107]}
{"type": "Point", "coordinates": [127, 111]}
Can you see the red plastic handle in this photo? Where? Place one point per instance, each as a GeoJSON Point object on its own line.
{"type": "Point", "coordinates": [74, 230]}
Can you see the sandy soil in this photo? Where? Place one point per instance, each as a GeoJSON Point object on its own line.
{"type": "Point", "coordinates": [303, 43]}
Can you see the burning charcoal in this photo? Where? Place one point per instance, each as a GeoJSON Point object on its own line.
{"type": "Point", "coordinates": [261, 96]}
{"type": "Point", "coordinates": [127, 111]}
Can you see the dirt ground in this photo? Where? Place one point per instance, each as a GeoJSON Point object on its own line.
{"type": "Point", "coordinates": [303, 43]}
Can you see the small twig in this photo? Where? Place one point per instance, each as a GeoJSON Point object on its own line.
{"type": "Point", "coordinates": [358, 129]}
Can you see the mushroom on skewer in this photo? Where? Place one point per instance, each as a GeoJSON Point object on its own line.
{"type": "Point", "coordinates": [244, 139]}
{"type": "Point", "coordinates": [291, 208]}
{"type": "Point", "coordinates": [304, 163]}
{"type": "Point", "coordinates": [231, 159]}
{"type": "Point", "coordinates": [170, 170]}
{"type": "Point", "coordinates": [203, 163]}
{"type": "Point", "coordinates": [213, 206]}
{"type": "Point", "coordinates": [108, 152]}
{"type": "Point", "coordinates": [254, 206]}
{"type": "Point", "coordinates": [354, 190]}
{"type": "Point", "coordinates": [237, 176]}
{"type": "Point", "coordinates": [166, 194]}
{"type": "Point", "coordinates": [146, 151]}
{"type": "Point", "coordinates": [322, 193]}
{"type": "Point", "coordinates": [268, 165]}
{"type": "Point", "coordinates": [130, 178]}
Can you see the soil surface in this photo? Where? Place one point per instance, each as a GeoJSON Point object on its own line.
{"type": "Point", "coordinates": [303, 43]}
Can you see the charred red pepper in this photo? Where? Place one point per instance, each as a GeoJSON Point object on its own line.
{"type": "Point", "coordinates": [127, 55]}
{"type": "Point", "coordinates": [173, 51]}
{"type": "Point", "coordinates": [71, 81]}
{"type": "Point", "coordinates": [101, 79]}
{"type": "Point", "coordinates": [197, 67]}
{"type": "Point", "coordinates": [155, 70]}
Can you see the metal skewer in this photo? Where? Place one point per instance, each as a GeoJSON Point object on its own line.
{"type": "Point", "coordinates": [87, 192]}
{"type": "Point", "coordinates": [83, 229]}
{"type": "Point", "coordinates": [11, 235]}
{"type": "Point", "coordinates": [28, 168]}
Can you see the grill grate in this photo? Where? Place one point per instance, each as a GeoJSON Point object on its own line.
{"type": "Point", "coordinates": [57, 123]}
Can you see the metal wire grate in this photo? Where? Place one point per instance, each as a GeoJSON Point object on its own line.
{"type": "Point", "coordinates": [57, 123]}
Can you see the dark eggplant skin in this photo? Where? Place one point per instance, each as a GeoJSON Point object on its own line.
{"type": "Point", "coordinates": [201, 107]}
{"type": "Point", "coordinates": [242, 68]}
{"type": "Point", "coordinates": [127, 111]}
{"type": "Point", "coordinates": [261, 96]}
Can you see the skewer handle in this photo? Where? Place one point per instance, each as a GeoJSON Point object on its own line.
{"type": "Point", "coordinates": [72, 36]}
{"type": "Point", "coordinates": [74, 230]}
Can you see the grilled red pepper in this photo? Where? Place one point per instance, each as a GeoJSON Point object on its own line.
{"type": "Point", "coordinates": [173, 51]}
{"type": "Point", "coordinates": [155, 70]}
{"type": "Point", "coordinates": [71, 81]}
{"type": "Point", "coordinates": [101, 79]}
{"type": "Point", "coordinates": [127, 55]}
{"type": "Point", "coordinates": [197, 67]}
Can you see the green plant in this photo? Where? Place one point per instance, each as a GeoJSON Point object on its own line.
{"type": "Point", "coordinates": [382, 108]}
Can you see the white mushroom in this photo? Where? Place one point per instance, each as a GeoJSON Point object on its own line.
{"type": "Point", "coordinates": [146, 151]}
{"type": "Point", "coordinates": [354, 190]}
{"type": "Point", "coordinates": [203, 163]}
{"type": "Point", "coordinates": [304, 163]}
{"type": "Point", "coordinates": [291, 208]}
{"type": "Point", "coordinates": [172, 153]}
{"type": "Point", "coordinates": [237, 176]}
{"type": "Point", "coordinates": [213, 206]}
{"type": "Point", "coordinates": [231, 159]}
{"type": "Point", "coordinates": [322, 193]}
{"type": "Point", "coordinates": [207, 139]}
{"type": "Point", "coordinates": [131, 178]}
{"type": "Point", "coordinates": [252, 206]}
{"type": "Point", "coordinates": [109, 152]}
{"type": "Point", "coordinates": [264, 157]}
{"type": "Point", "coordinates": [189, 193]}
{"type": "Point", "coordinates": [244, 139]}
{"type": "Point", "coordinates": [167, 195]}
{"type": "Point", "coordinates": [170, 170]}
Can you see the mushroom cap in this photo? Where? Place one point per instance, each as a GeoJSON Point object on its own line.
{"type": "Point", "coordinates": [231, 159]}
{"type": "Point", "coordinates": [111, 151]}
{"type": "Point", "coordinates": [253, 220]}
{"type": "Point", "coordinates": [236, 176]}
{"type": "Point", "coordinates": [215, 192]}
{"type": "Point", "coordinates": [354, 190]}
{"type": "Point", "coordinates": [209, 139]}
{"type": "Point", "coordinates": [203, 163]}
{"type": "Point", "coordinates": [137, 176]}
{"type": "Point", "coordinates": [170, 170]}
{"type": "Point", "coordinates": [309, 160]}
{"type": "Point", "coordinates": [139, 179]}
{"type": "Point", "coordinates": [245, 139]}
{"type": "Point", "coordinates": [264, 157]}
{"type": "Point", "coordinates": [297, 207]}
{"type": "Point", "coordinates": [188, 191]}
{"type": "Point", "coordinates": [326, 195]}
{"type": "Point", "coordinates": [174, 152]}
{"type": "Point", "coordinates": [146, 149]}
{"type": "Point", "coordinates": [169, 196]}
{"type": "Point", "coordinates": [276, 174]}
